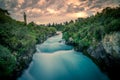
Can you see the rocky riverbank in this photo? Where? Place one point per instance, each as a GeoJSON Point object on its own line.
{"type": "Point", "coordinates": [25, 59]}
{"type": "Point", "coordinates": [23, 62]}
{"type": "Point", "coordinates": [106, 54]}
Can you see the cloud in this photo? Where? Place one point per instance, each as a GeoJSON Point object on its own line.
{"type": "Point", "coordinates": [21, 1]}
{"type": "Point", "coordinates": [49, 11]}
{"type": "Point", "coordinates": [2, 4]}
{"type": "Point", "coordinates": [74, 8]}
{"type": "Point", "coordinates": [78, 14]}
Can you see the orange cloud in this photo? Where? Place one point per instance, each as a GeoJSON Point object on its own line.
{"type": "Point", "coordinates": [81, 14]}
{"type": "Point", "coordinates": [41, 2]}
{"type": "Point", "coordinates": [78, 14]}
{"type": "Point", "coordinates": [36, 10]}
{"type": "Point", "coordinates": [52, 11]}
{"type": "Point", "coordinates": [20, 1]}
{"type": "Point", "coordinates": [75, 2]}
{"type": "Point", "coordinates": [49, 11]}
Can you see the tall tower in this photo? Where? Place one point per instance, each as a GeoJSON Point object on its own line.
{"type": "Point", "coordinates": [25, 18]}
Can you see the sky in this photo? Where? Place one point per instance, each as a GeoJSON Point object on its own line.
{"type": "Point", "coordinates": [54, 11]}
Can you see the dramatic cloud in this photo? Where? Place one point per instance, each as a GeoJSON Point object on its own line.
{"type": "Point", "coordinates": [57, 11]}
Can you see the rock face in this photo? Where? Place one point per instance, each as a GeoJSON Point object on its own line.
{"type": "Point", "coordinates": [98, 52]}
{"type": "Point", "coordinates": [111, 44]}
{"type": "Point", "coordinates": [107, 54]}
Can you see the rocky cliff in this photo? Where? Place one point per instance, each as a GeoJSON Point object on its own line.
{"type": "Point", "coordinates": [107, 54]}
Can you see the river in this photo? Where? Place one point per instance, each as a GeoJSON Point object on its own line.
{"type": "Point", "coordinates": [56, 61]}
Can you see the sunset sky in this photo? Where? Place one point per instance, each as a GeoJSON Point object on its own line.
{"type": "Point", "coordinates": [57, 11]}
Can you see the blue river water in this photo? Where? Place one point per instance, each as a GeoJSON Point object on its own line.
{"type": "Point", "coordinates": [56, 61]}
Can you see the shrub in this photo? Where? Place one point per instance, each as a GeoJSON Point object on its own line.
{"type": "Point", "coordinates": [7, 61]}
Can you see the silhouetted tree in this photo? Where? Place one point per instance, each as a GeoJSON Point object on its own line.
{"type": "Point", "coordinates": [25, 18]}
{"type": "Point", "coordinates": [4, 11]}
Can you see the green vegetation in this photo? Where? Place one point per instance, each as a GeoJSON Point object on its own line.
{"type": "Point", "coordinates": [59, 27]}
{"type": "Point", "coordinates": [91, 30]}
{"type": "Point", "coordinates": [7, 61]}
{"type": "Point", "coordinates": [16, 39]}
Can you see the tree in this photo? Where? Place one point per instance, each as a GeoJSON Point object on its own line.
{"type": "Point", "coordinates": [4, 11]}
{"type": "Point", "coordinates": [25, 18]}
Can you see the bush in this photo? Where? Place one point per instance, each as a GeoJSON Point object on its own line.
{"type": "Point", "coordinates": [7, 61]}
{"type": "Point", "coordinates": [114, 25]}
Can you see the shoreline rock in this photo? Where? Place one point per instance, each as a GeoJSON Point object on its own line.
{"type": "Point", "coordinates": [108, 63]}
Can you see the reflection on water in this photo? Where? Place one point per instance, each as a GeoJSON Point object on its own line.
{"type": "Point", "coordinates": [56, 61]}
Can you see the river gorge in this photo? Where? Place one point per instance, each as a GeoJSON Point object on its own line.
{"type": "Point", "coordinates": [54, 60]}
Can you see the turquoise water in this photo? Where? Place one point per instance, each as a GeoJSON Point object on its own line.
{"type": "Point", "coordinates": [56, 61]}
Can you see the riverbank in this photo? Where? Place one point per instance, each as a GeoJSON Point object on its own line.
{"type": "Point", "coordinates": [109, 63]}
{"type": "Point", "coordinates": [25, 59]}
